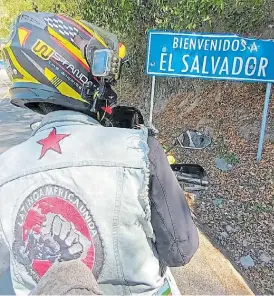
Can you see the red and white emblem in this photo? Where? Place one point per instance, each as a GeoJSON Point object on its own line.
{"type": "Point", "coordinates": [54, 224]}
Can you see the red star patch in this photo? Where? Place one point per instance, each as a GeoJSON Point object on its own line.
{"type": "Point", "coordinates": [51, 142]}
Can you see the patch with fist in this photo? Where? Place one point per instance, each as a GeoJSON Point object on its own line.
{"type": "Point", "coordinates": [53, 224]}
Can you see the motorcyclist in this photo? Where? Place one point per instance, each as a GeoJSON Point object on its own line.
{"type": "Point", "coordinates": [76, 190]}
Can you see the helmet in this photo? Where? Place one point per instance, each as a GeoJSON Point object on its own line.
{"type": "Point", "coordinates": [46, 58]}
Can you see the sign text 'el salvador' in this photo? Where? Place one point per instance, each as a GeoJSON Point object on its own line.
{"type": "Point", "coordinates": [212, 56]}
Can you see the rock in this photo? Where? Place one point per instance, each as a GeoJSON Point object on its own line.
{"type": "Point", "coordinates": [264, 258]}
{"type": "Point", "coordinates": [218, 202]}
{"type": "Point", "coordinates": [247, 261]}
{"type": "Point", "coordinates": [245, 243]}
{"type": "Point", "coordinates": [229, 228]}
{"type": "Point", "coordinates": [222, 165]}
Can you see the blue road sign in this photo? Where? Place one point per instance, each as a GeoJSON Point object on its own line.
{"type": "Point", "coordinates": [209, 56]}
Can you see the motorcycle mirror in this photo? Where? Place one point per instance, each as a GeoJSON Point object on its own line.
{"type": "Point", "coordinates": [192, 139]}
{"type": "Point", "coordinates": [35, 125]}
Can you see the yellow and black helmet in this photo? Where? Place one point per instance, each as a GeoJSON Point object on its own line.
{"type": "Point", "coordinates": [45, 60]}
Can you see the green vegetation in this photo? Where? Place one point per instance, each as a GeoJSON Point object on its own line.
{"type": "Point", "coordinates": [223, 151]}
{"type": "Point", "coordinates": [131, 19]}
{"type": "Point", "coordinates": [231, 158]}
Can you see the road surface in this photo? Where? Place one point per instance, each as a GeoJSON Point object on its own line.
{"type": "Point", "coordinates": [209, 271]}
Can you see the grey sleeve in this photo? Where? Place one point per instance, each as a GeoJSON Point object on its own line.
{"type": "Point", "coordinates": [176, 234]}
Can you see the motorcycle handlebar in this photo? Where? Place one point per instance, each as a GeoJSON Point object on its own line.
{"type": "Point", "coordinates": [194, 181]}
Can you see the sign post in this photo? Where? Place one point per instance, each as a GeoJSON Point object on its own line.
{"type": "Point", "coordinates": [211, 56]}
{"type": "Point", "coordinates": [152, 100]}
{"type": "Point", "coordinates": [264, 121]}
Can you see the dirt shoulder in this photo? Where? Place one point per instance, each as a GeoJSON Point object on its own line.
{"type": "Point", "coordinates": [210, 273]}
{"type": "Point", "coordinates": [238, 208]}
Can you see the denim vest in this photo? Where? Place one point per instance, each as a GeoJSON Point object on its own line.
{"type": "Point", "coordinates": [77, 190]}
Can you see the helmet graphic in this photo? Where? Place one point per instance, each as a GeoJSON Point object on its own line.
{"type": "Point", "coordinates": [47, 60]}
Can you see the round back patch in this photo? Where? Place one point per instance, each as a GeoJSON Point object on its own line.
{"type": "Point", "coordinates": [53, 224]}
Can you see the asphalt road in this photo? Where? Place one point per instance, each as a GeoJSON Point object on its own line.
{"type": "Point", "coordinates": [209, 272]}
